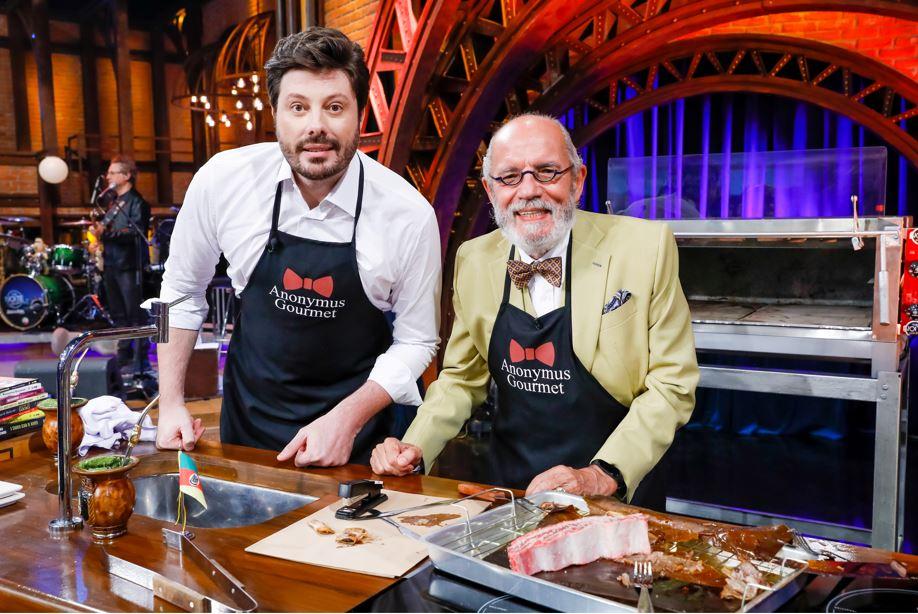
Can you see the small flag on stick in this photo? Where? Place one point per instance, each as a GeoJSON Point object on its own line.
{"type": "Point", "coordinates": [189, 484]}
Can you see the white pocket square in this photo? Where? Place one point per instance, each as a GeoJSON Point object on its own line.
{"type": "Point", "coordinates": [621, 297]}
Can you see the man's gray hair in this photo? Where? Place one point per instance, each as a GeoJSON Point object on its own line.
{"type": "Point", "coordinates": [572, 154]}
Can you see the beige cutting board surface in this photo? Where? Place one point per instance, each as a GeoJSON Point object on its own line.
{"type": "Point", "coordinates": [389, 553]}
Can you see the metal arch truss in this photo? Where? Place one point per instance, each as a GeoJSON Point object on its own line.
{"type": "Point", "coordinates": [875, 96]}
{"type": "Point", "coordinates": [445, 73]}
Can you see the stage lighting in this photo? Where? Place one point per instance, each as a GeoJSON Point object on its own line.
{"type": "Point", "coordinates": [53, 169]}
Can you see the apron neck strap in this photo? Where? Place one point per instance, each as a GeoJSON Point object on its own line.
{"type": "Point", "coordinates": [507, 276]}
{"type": "Point", "coordinates": [275, 214]}
{"type": "Point", "coordinates": [359, 206]}
{"type": "Point", "coordinates": [567, 273]}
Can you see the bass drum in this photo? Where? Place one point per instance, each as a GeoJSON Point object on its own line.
{"type": "Point", "coordinates": [28, 301]}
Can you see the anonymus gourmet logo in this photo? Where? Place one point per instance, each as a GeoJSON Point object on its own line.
{"type": "Point", "coordinates": [534, 378]}
{"type": "Point", "coordinates": [292, 299]}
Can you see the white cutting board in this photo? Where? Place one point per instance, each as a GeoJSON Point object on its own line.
{"type": "Point", "coordinates": [389, 554]}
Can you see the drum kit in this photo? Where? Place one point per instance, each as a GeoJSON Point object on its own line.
{"type": "Point", "coordinates": [48, 284]}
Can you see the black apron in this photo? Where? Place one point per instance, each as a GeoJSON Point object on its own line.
{"type": "Point", "coordinates": [306, 337]}
{"type": "Point", "coordinates": [550, 409]}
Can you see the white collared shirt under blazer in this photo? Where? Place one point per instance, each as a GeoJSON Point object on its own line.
{"type": "Point", "coordinates": [227, 209]}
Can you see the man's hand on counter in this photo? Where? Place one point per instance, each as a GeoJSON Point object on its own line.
{"type": "Point", "coordinates": [325, 442]}
{"type": "Point", "coordinates": [176, 430]}
{"type": "Point", "coordinates": [394, 457]}
{"type": "Point", "coordinates": [328, 441]}
{"type": "Point", "coordinates": [589, 481]}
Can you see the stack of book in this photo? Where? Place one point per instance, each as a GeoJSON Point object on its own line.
{"type": "Point", "coordinates": [19, 413]}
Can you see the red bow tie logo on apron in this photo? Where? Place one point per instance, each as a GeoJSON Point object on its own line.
{"type": "Point", "coordinates": [545, 353]}
{"type": "Point", "coordinates": [322, 285]}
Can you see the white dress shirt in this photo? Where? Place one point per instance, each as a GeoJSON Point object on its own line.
{"type": "Point", "coordinates": [227, 209]}
{"type": "Point", "coordinates": [545, 297]}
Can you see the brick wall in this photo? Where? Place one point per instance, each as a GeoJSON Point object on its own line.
{"type": "Point", "coordinates": [142, 105]}
{"type": "Point", "coordinates": [146, 185]}
{"type": "Point", "coordinates": [67, 70]}
{"type": "Point", "coordinates": [179, 117]}
{"type": "Point", "coordinates": [18, 180]}
{"type": "Point", "coordinates": [220, 15]}
{"type": "Point", "coordinates": [68, 99]}
{"type": "Point", "coordinates": [107, 92]}
{"type": "Point", "coordinates": [73, 191]}
{"type": "Point", "coordinates": [64, 32]}
{"type": "Point", "coordinates": [892, 41]}
{"type": "Point", "coordinates": [32, 95]}
{"type": "Point", "coordinates": [7, 118]}
{"type": "Point", "coordinates": [180, 183]}
{"type": "Point", "coordinates": [353, 17]}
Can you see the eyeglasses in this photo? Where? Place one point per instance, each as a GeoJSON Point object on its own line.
{"type": "Point", "coordinates": [542, 175]}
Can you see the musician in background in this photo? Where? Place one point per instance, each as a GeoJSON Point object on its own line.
{"type": "Point", "coordinates": [122, 231]}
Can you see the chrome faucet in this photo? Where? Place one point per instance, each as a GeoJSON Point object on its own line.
{"type": "Point", "coordinates": [138, 429]}
{"type": "Point", "coordinates": [159, 332]}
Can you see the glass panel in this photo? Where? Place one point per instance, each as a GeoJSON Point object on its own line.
{"type": "Point", "coordinates": [773, 184]}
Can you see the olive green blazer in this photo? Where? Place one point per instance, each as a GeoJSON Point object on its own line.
{"type": "Point", "coordinates": [643, 353]}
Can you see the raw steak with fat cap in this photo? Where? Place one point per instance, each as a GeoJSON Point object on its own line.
{"type": "Point", "coordinates": [578, 542]}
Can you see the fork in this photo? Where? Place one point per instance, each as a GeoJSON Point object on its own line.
{"type": "Point", "coordinates": [801, 542]}
{"type": "Point", "coordinates": [643, 579]}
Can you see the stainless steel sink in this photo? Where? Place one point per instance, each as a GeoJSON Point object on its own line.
{"type": "Point", "coordinates": [229, 504]}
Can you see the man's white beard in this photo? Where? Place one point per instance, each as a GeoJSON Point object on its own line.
{"type": "Point", "coordinates": [538, 246]}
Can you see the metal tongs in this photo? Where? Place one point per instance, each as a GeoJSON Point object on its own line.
{"type": "Point", "coordinates": [362, 496]}
{"type": "Point", "coordinates": [178, 594]}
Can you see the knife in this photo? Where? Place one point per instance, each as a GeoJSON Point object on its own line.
{"type": "Point", "coordinates": [176, 593]}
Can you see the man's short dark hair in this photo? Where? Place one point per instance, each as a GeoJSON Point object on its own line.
{"type": "Point", "coordinates": [128, 166]}
{"type": "Point", "coordinates": [319, 49]}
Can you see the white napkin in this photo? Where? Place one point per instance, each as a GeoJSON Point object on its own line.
{"type": "Point", "coordinates": [8, 488]}
{"type": "Point", "coordinates": [106, 420]}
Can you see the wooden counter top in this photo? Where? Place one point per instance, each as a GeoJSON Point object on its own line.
{"type": "Point", "coordinates": [41, 573]}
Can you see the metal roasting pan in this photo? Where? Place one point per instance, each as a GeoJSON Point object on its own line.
{"type": "Point", "coordinates": [459, 550]}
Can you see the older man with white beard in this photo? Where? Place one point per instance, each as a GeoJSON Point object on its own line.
{"type": "Point", "coordinates": [581, 322]}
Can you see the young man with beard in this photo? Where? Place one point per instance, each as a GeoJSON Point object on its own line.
{"type": "Point", "coordinates": [581, 322]}
{"type": "Point", "coordinates": [321, 240]}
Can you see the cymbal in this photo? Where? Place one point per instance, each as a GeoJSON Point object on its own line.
{"type": "Point", "coordinates": [74, 223]}
{"type": "Point", "coordinates": [14, 219]}
{"type": "Point", "coordinates": [13, 238]}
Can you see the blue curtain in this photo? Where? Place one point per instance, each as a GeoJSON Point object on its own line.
{"type": "Point", "coordinates": [751, 125]}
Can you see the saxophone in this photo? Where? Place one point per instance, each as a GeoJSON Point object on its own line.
{"type": "Point", "coordinates": [94, 245]}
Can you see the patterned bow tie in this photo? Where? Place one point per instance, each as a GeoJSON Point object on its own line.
{"type": "Point", "coordinates": [322, 286]}
{"type": "Point", "coordinates": [521, 272]}
{"type": "Point", "coordinates": [545, 353]}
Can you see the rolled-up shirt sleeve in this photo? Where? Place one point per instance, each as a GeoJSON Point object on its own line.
{"type": "Point", "coordinates": [193, 255]}
{"type": "Point", "coordinates": [416, 305]}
